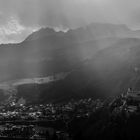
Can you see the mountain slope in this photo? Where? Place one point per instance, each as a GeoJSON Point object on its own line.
{"type": "Point", "coordinates": [46, 52]}
{"type": "Point", "coordinates": [103, 60]}
{"type": "Point", "coordinates": [110, 72]}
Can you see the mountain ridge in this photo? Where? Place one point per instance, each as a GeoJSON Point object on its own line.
{"type": "Point", "coordinates": [102, 59]}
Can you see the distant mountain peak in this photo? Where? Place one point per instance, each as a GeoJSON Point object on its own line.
{"type": "Point", "coordinates": [43, 32]}
{"type": "Point", "coordinates": [95, 29]}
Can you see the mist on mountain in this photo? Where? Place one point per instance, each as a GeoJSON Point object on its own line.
{"type": "Point", "coordinates": [101, 60]}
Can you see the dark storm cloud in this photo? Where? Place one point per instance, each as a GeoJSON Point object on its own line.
{"type": "Point", "coordinates": [31, 14]}
{"type": "Point", "coordinates": [70, 13]}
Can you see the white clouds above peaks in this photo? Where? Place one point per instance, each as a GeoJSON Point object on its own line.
{"type": "Point", "coordinates": [11, 31]}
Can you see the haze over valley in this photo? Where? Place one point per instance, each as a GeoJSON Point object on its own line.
{"type": "Point", "coordinates": [97, 60]}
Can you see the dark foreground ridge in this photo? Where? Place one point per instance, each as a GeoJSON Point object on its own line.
{"type": "Point", "coordinates": [111, 119]}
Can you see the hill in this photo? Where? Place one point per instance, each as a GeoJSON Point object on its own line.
{"type": "Point", "coordinates": [102, 60]}
{"type": "Point", "coordinates": [109, 73]}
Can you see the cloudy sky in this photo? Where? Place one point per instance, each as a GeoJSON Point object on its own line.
{"type": "Point", "coordinates": [18, 18]}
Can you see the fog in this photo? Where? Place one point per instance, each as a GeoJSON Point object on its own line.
{"type": "Point", "coordinates": [29, 15]}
